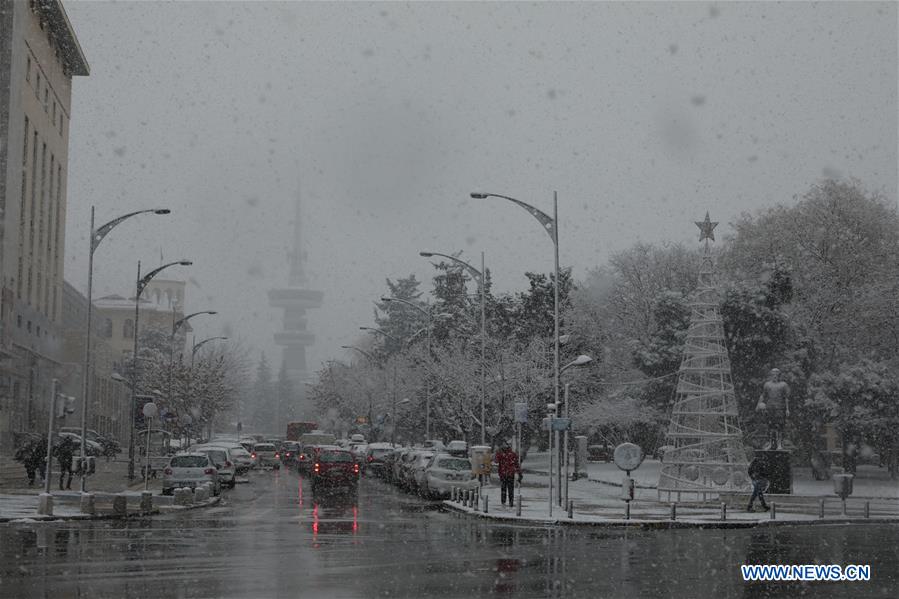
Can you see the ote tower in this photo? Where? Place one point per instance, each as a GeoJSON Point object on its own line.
{"type": "Point", "coordinates": [295, 299]}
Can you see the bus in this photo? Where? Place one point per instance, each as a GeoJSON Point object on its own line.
{"type": "Point", "coordinates": [295, 430]}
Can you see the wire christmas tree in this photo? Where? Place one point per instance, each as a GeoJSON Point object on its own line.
{"type": "Point", "coordinates": [706, 453]}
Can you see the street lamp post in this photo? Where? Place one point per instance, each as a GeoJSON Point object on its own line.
{"type": "Point", "coordinates": [562, 449]}
{"type": "Point", "coordinates": [97, 235]}
{"type": "Point", "coordinates": [480, 277]}
{"type": "Point", "coordinates": [139, 290]}
{"type": "Point", "coordinates": [176, 324]}
{"type": "Point", "coordinates": [197, 346]}
{"type": "Point", "coordinates": [428, 327]}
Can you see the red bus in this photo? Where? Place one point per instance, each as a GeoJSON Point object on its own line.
{"type": "Point", "coordinates": [295, 430]}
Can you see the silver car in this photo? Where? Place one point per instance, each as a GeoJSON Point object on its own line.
{"type": "Point", "coordinates": [190, 470]}
{"type": "Point", "coordinates": [266, 455]}
{"type": "Point", "coordinates": [224, 462]}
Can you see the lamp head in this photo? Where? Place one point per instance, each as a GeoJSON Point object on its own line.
{"type": "Point", "coordinates": [479, 196]}
{"type": "Point", "coordinates": [425, 254]}
{"type": "Point", "coordinates": [386, 299]}
{"type": "Point", "coordinates": [581, 360]}
{"type": "Point", "coordinates": [162, 211]}
{"type": "Point", "coordinates": [185, 263]}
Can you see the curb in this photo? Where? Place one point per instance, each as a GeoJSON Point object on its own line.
{"type": "Point", "coordinates": [132, 516]}
{"type": "Point", "coordinates": [449, 506]}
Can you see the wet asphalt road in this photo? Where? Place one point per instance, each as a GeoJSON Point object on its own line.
{"type": "Point", "coordinates": [271, 538]}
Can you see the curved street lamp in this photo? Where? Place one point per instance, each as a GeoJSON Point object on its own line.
{"type": "Point", "coordinates": [142, 283]}
{"type": "Point", "coordinates": [97, 235]}
{"type": "Point", "coordinates": [197, 346]}
{"type": "Point", "coordinates": [581, 360]}
{"type": "Point", "coordinates": [368, 355]}
{"type": "Point", "coordinates": [176, 324]}
{"type": "Point", "coordinates": [429, 315]}
{"type": "Point", "coordinates": [479, 276]}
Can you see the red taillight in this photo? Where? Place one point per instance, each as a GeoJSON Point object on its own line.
{"type": "Point", "coordinates": [228, 464]}
{"type": "Point", "coordinates": [371, 458]}
{"type": "Point", "coordinates": [209, 471]}
{"type": "Point", "coordinates": [288, 454]}
{"type": "Point", "coordinates": [356, 468]}
{"type": "Point", "coordinates": [277, 455]}
{"type": "Point", "coordinates": [302, 456]}
{"type": "Point", "coordinates": [253, 455]}
{"type": "Point", "coordinates": [167, 471]}
{"type": "Point", "coordinates": [316, 468]}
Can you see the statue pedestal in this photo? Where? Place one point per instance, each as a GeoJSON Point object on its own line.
{"type": "Point", "coordinates": [780, 475]}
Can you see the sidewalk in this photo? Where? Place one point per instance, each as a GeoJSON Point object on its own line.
{"type": "Point", "coordinates": [601, 505]}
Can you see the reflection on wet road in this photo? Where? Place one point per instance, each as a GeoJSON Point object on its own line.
{"type": "Point", "coordinates": [272, 538]}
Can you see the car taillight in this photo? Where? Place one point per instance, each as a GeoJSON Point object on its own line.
{"type": "Point", "coordinates": [228, 464]}
{"type": "Point", "coordinates": [316, 468]}
{"type": "Point", "coordinates": [356, 468]}
{"type": "Point", "coordinates": [371, 458]}
{"type": "Point", "coordinates": [167, 471]}
{"type": "Point", "coordinates": [288, 454]}
{"type": "Point", "coordinates": [253, 455]}
{"type": "Point", "coordinates": [302, 456]}
{"type": "Point", "coordinates": [277, 455]}
{"type": "Point", "coordinates": [209, 471]}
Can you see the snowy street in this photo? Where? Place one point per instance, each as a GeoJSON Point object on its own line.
{"type": "Point", "coordinates": [270, 538]}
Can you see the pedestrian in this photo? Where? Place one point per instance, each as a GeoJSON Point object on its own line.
{"type": "Point", "coordinates": [25, 455]}
{"type": "Point", "coordinates": [758, 472]}
{"type": "Point", "coordinates": [508, 466]}
{"type": "Point", "coordinates": [64, 453]}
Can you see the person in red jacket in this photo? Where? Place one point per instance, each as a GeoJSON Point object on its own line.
{"type": "Point", "coordinates": [508, 466]}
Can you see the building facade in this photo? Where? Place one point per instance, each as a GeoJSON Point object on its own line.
{"type": "Point", "coordinates": [39, 56]}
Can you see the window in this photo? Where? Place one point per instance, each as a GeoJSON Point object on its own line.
{"type": "Point", "coordinates": [54, 111]}
{"type": "Point", "coordinates": [37, 88]}
{"type": "Point", "coordinates": [128, 329]}
{"type": "Point", "coordinates": [28, 69]}
{"type": "Point", "coordinates": [19, 320]}
{"type": "Point", "coordinates": [46, 98]}
{"type": "Point", "coordinates": [107, 328]}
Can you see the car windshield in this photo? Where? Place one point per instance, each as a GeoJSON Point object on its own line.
{"type": "Point", "coordinates": [189, 461]}
{"type": "Point", "coordinates": [334, 456]}
{"type": "Point", "coordinates": [379, 453]}
{"type": "Point", "coordinates": [265, 447]}
{"type": "Point", "coordinates": [453, 464]}
{"type": "Point", "coordinates": [218, 457]}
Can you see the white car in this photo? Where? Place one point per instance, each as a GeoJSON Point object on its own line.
{"type": "Point", "coordinates": [446, 471]}
{"type": "Point", "coordinates": [224, 462]}
{"type": "Point", "coordinates": [242, 459]}
{"type": "Point", "coordinates": [416, 476]}
{"type": "Point", "coordinates": [190, 470]}
{"type": "Point", "coordinates": [265, 455]}
{"type": "Point", "coordinates": [433, 445]}
{"type": "Point", "coordinates": [457, 448]}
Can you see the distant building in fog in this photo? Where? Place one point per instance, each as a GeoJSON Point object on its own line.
{"type": "Point", "coordinates": [39, 55]}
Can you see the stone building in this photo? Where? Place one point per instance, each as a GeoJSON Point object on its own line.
{"type": "Point", "coordinates": [39, 56]}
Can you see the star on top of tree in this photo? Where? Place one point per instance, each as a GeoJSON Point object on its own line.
{"type": "Point", "coordinates": [706, 228]}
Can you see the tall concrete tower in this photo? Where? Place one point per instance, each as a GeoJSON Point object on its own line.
{"type": "Point", "coordinates": [295, 299]}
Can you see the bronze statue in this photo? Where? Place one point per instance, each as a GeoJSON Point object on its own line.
{"type": "Point", "coordinates": [774, 403]}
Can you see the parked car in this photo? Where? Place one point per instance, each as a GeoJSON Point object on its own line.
{"type": "Point", "coordinates": [446, 471]}
{"type": "Point", "coordinates": [433, 444]}
{"type": "Point", "coordinates": [266, 455]}
{"type": "Point", "coordinates": [415, 479]}
{"type": "Point", "coordinates": [357, 438]}
{"type": "Point", "coordinates": [243, 459]}
{"type": "Point", "coordinates": [358, 450]}
{"type": "Point", "coordinates": [334, 467]}
{"type": "Point", "coordinates": [223, 462]}
{"type": "Point", "coordinates": [305, 458]}
{"type": "Point", "coordinates": [189, 470]}
{"type": "Point", "coordinates": [91, 447]}
{"type": "Point", "coordinates": [401, 458]}
{"type": "Point", "coordinates": [457, 448]}
{"type": "Point", "coordinates": [376, 459]}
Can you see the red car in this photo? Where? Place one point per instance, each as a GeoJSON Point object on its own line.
{"type": "Point", "coordinates": [333, 466]}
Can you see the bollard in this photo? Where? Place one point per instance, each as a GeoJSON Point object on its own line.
{"type": "Point", "coordinates": [88, 505]}
{"type": "Point", "coordinates": [201, 494]}
{"type": "Point", "coordinates": [773, 511]}
{"type": "Point", "coordinates": [821, 512]}
{"type": "Point", "coordinates": [120, 504]}
{"type": "Point", "coordinates": [465, 500]}
{"type": "Point", "coordinates": [45, 504]}
{"type": "Point", "coordinates": [674, 511]}
{"type": "Point", "coordinates": [627, 510]}
{"type": "Point", "coordinates": [867, 509]}
{"type": "Point", "coordinates": [570, 509]}
{"type": "Point", "coordinates": [182, 496]}
{"type": "Point", "coordinates": [453, 493]}
{"type": "Point", "coordinates": [486, 504]}
{"type": "Point", "coordinates": [146, 502]}
{"type": "Point", "coordinates": [724, 511]}
{"type": "Point", "coordinates": [518, 506]}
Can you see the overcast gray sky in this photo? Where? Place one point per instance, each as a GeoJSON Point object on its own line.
{"type": "Point", "coordinates": [385, 116]}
